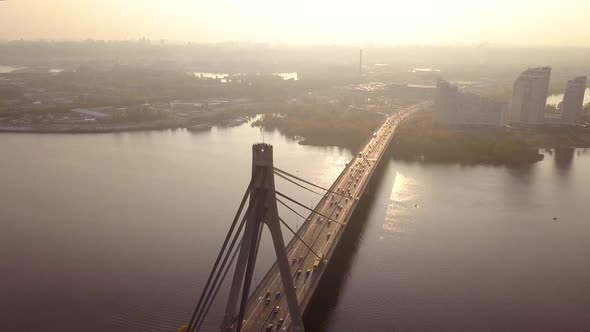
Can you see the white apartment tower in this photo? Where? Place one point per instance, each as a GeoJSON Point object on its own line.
{"type": "Point", "coordinates": [573, 101]}
{"type": "Point", "coordinates": [529, 96]}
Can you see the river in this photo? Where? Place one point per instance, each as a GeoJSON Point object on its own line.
{"type": "Point", "coordinates": [117, 232]}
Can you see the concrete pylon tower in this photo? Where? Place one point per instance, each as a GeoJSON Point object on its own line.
{"type": "Point", "coordinates": [262, 210]}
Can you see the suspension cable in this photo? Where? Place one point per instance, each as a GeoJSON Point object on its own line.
{"type": "Point", "coordinates": [232, 245]}
{"type": "Point", "coordinates": [297, 184]}
{"type": "Point", "coordinates": [218, 259]}
{"type": "Point", "coordinates": [227, 268]}
{"type": "Point", "coordinates": [307, 182]}
{"type": "Point", "coordinates": [300, 239]}
{"type": "Point", "coordinates": [297, 213]}
{"type": "Point", "coordinates": [201, 315]}
{"type": "Point", "coordinates": [312, 210]}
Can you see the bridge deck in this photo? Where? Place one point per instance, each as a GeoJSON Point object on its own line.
{"type": "Point", "coordinates": [321, 235]}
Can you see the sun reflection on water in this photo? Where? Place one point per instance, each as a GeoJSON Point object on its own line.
{"type": "Point", "coordinates": [402, 202]}
{"type": "Point", "coordinates": [328, 175]}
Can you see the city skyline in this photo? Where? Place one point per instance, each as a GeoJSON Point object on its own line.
{"type": "Point", "coordinates": [464, 22]}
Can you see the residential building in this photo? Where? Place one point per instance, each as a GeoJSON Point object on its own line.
{"type": "Point", "coordinates": [455, 108]}
{"type": "Point", "coordinates": [529, 96]}
{"type": "Point", "coordinates": [573, 101]}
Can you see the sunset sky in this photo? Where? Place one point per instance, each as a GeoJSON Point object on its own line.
{"type": "Point", "coordinates": [525, 22]}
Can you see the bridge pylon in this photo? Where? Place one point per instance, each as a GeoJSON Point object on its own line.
{"type": "Point", "coordinates": [262, 210]}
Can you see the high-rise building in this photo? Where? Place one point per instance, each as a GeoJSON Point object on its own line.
{"type": "Point", "coordinates": [529, 96]}
{"type": "Point", "coordinates": [573, 101]}
{"type": "Point", "coordinates": [361, 62]}
{"type": "Point", "coordinates": [446, 99]}
{"type": "Point", "coordinates": [455, 108]}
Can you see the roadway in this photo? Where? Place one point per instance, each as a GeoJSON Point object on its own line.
{"type": "Point", "coordinates": [271, 313]}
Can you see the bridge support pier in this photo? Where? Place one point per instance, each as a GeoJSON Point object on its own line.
{"type": "Point", "coordinates": [262, 210]}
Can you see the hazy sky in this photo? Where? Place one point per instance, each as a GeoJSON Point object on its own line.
{"type": "Point", "coordinates": [530, 22]}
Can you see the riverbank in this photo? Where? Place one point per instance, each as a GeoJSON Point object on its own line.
{"type": "Point", "coordinates": [420, 139]}
{"type": "Point", "coordinates": [325, 126]}
{"type": "Point", "coordinates": [89, 129]}
{"type": "Point", "coordinates": [229, 118]}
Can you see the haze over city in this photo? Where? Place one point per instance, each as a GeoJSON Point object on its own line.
{"type": "Point", "coordinates": [292, 166]}
{"type": "Point", "coordinates": [519, 22]}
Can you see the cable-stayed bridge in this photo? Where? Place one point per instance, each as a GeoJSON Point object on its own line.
{"type": "Point", "coordinates": [279, 300]}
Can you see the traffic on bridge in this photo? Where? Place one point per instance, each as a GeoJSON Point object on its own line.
{"type": "Point", "coordinates": [267, 309]}
{"type": "Point", "coordinates": [279, 300]}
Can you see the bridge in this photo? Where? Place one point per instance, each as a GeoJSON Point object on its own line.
{"type": "Point", "coordinates": [278, 301]}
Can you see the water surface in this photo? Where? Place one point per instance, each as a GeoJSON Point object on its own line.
{"type": "Point", "coordinates": [117, 232]}
{"type": "Point", "coordinates": [451, 248]}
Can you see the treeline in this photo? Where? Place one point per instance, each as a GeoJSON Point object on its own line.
{"type": "Point", "coordinates": [323, 125]}
{"type": "Point", "coordinates": [419, 138]}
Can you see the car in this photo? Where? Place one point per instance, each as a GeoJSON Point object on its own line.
{"type": "Point", "coordinates": [281, 321]}
{"type": "Point", "coordinates": [269, 327]}
{"type": "Point", "coordinates": [277, 295]}
{"type": "Point", "coordinates": [298, 272]}
{"type": "Point", "coordinates": [267, 301]}
{"type": "Point", "coordinates": [300, 258]}
{"type": "Point", "coordinates": [328, 238]}
{"type": "Point", "coordinates": [294, 260]}
{"type": "Point", "coordinates": [318, 261]}
{"type": "Point", "coordinates": [276, 309]}
{"type": "Point", "coordinates": [308, 272]}
{"type": "Point", "coordinates": [267, 294]}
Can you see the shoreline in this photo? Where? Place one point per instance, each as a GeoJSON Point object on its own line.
{"type": "Point", "coordinates": [420, 139]}
{"type": "Point", "coordinates": [94, 130]}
